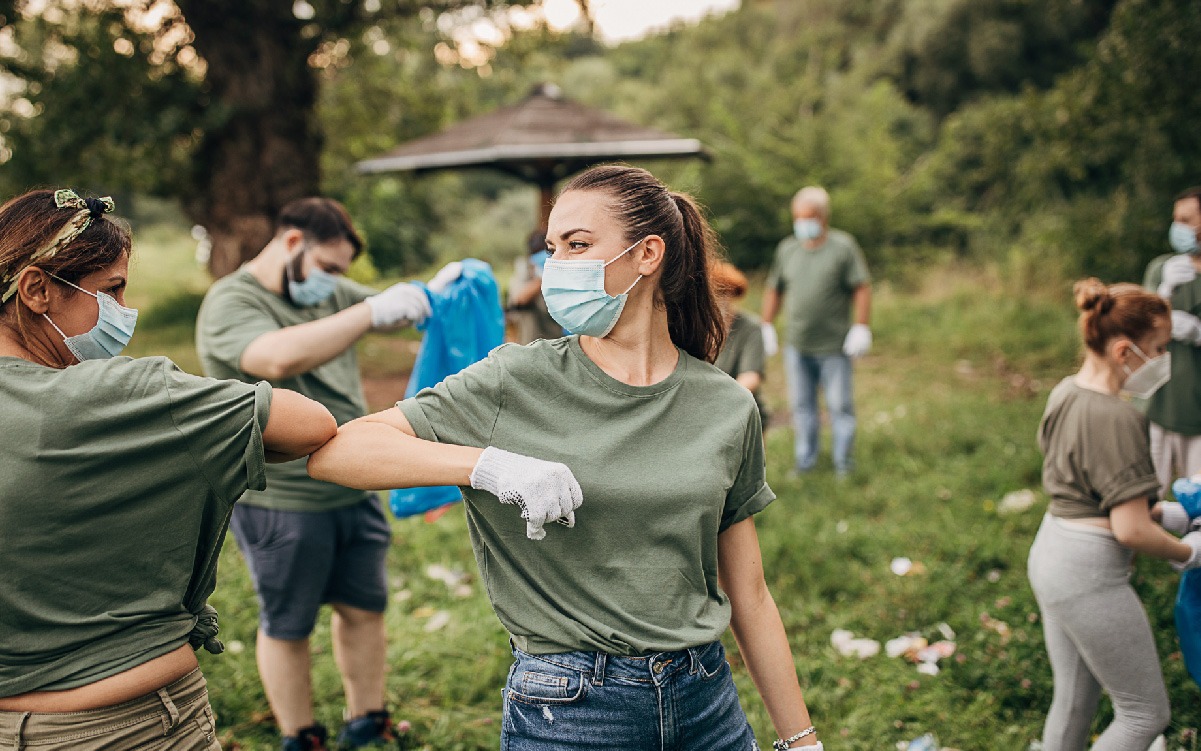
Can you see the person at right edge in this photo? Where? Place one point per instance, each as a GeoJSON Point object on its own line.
{"type": "Point", "coordinates": [1097, 470]}
{"type": "Point", "coordinates": [1175, 409]}
{"type": "Point", "coordinates": [820, 277]}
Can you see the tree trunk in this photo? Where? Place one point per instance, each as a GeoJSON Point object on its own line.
{"type": "Point", "coordinates": [262, 147]}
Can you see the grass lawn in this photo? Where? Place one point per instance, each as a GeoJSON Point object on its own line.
{"type": "Point", "coordinates": [948, 403]}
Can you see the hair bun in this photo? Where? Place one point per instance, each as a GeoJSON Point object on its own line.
{"type": "Point", "coordinates": [1092, 296]}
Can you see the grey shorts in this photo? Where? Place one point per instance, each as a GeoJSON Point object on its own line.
{"type": "Point", "coordinates": [301, 559]}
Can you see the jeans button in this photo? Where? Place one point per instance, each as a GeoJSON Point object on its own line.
{"type": "Point", "coordinates": [657, 668]}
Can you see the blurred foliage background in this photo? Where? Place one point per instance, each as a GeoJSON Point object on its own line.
{"type": "Point", "coordinates": [1051, 134]}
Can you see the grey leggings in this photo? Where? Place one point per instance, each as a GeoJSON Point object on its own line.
{"type": "Point", "coordinates": [1098, 637]}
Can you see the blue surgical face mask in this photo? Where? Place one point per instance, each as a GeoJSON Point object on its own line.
{"type": "Point", "coordinates": [316, 288]}
{"type": "Point", "coordinates": [807, 229]}
{"type": "Point", "coordinates": [113, 329]}
{"type": "Point", "coordinates": [1183, 238]}
{"type": "Point", "coordinates": [575, 295]}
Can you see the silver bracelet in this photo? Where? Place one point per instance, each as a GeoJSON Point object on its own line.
{"type": "Point", "coordinates": [783, 744]}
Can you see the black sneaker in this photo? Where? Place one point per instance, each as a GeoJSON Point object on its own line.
{"type": "Point", "coordinates": [374, 729]}
{"type": "Point", "coordinates": [312, 738]}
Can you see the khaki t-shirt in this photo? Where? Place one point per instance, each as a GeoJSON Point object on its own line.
{"type": "Point", "coordinates": [663, 468]}
{"type": "Point", "coordinates": [236, 311]}
{"type": "Point", "coordinates": [1176, 406]}
{"type": "Point", "coordinates": [743, 353]}
{"type": "Point", "coordinates": [119, 477]}
{"type": "Point", "coordinates": [1096, 453]}
{"type": "Point", "coordinates": [818, 285]}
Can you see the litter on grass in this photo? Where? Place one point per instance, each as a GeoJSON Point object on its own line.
{"type": "Point", "coordinates": [1016, 502]}
{"type": "Point", "coordinates": [845, 643]}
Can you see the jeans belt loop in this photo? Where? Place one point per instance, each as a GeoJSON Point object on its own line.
{"type": "Point", "coordinates": [694, 660]}
{"type": "Point", "coordinates": [171, 716]}
{"type": "Point", "coordinates": [598, 670]}
{"type": "Point", "coordinates": [19, 736]}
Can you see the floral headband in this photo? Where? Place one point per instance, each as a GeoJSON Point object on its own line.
{"type": "Point", "coordinates": [86, 210]}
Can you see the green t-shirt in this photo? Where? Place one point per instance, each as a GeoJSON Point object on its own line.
{"type": "Point", "coordinates": [743, 353]}
{"type": "Point", "coordinates": [1096, 452]}
{"type": "Point", "coordinates": [1176, 406]}
{"type": "Point", "coordinates": [236, 311]}
{"type": "Point", "coordinates": [818, 285]}
{"type": "Point", "coordinates": [119, 480]}
{"type": "Point", "coordinates": [663, 469]}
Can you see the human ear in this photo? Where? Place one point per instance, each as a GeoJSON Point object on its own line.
{"type": "Point", "coordinates": [649, 255]}
{"type": "Point", "coordinates": [33, 287]}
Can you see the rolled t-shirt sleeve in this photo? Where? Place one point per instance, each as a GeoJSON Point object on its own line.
{"type": "Point", "coordinates": [752, 358]}
{"type": "Point", "coordinates": [229, 322]}
{"type": "Point", "coordinates": [1119, 462]}
{"type": "Point", "coordinates": [222, 422]}
{"type": "Point", "coordinates": [750, 493]}
{"type": "Point", "coordinates": [463, 408]}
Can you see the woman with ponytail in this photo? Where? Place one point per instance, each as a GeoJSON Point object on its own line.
{"type": "Point", "coordinates": [615, 618]}
{"type": "Point", "coordinates": [1097, 471]}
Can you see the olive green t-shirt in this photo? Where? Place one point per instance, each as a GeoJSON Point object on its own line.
{"type": "Point", "coordinates": [1096, 452]}
{"type": "Point", "coordinates": [818, 285]}
{"type": "Point", "coordinates": [743, 353]}
{"type": "Point", "coordinates": [1176, 406]}
{"type": "Point", "coordinates": [236, 311]}
{"type": "Point", "coordinates": [663, 468]}
{"type": "Point", "coordinates": [119, 479]}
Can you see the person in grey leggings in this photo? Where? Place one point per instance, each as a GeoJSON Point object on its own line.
{"type": "Point", "coordinates": [1098, 473]}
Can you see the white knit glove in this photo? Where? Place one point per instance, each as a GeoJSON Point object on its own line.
{"type": "Point", "coordinates": [858, 341]}
{"type": "Point", "coordinates": [1186, 328]}
{"type": "Point", "coordinates": [1177, 270]}
{"type": "Point", "coordinates": [1173, 518]}
{"type": "Point", "coordinates": [1193, 540]}
{"type": "Point", "coordinates": [545, 491]}
{"type": "Point", "coordinates": [445, 276]}
{"type": "Point", "coordinates": [397, 304]}
{"type": "Point", "coordinates": [771, 343]}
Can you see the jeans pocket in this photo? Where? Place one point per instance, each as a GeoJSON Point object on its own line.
{"type": "Point", "coordinates": [535, 681]}
{"type": "Point", "coordinates": [711, 661]}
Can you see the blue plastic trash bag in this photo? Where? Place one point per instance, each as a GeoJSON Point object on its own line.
{"type": "Point", "coordinates": [466, 322]}
{"type": "Point", "coordinates": [1188, 596]}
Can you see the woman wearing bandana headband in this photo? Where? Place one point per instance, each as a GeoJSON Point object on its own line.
{"type": "Point", "coordinates": [1098, 473]}
{"type": "Point", "coordinates": [120, 475]}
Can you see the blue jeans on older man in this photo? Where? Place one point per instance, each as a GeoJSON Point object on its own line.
{"type": "Point", "coordinates": [833, 373]}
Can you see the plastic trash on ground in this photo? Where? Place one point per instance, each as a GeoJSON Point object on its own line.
{"type": "Point", "coordinates": [845, 643]}
{"type": "Point", "coordinates": [1016, 502]}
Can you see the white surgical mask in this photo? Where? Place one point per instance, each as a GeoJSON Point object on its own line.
{"type": "Point", "coordinates": [1148, 379]}
{"type": "Point", "coordinates": [113, 329]}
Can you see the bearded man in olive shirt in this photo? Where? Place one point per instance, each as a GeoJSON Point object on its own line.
{"type": "Point", "coordinates": [290, 316]}
{"type": "Point", "coordinates": [818, 277]}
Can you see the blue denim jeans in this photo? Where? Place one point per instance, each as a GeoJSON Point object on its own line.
{"type": "Point", "coordinates": [833, 373]}
{"type": "Point", "coordinates": [667, 701]}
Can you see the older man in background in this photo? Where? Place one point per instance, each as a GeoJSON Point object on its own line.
{"type": "Point", "coordinates": [819, 277]}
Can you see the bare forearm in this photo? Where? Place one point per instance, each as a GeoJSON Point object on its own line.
{"type": "Point", "coordinates": [369, 455]}
{"type": "Point", "coordinates": [298, 349]}
{"type": "Point", "coordinates": [1152, 540]}
{"type": "Point", "coordinates": [863, 304]}
{"type": "Point", "coordinates": [750, 380]}
{"type": "Point", "coordinates": [764, 646]}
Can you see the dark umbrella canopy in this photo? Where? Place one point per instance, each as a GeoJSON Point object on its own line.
{"type": "Point", "coordinates": [542, 139]}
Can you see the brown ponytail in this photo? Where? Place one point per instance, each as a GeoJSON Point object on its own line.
{"type": "Point", "coordinates": [644, 206]}
{"type": "Point", "coordinates": [1125, 310]}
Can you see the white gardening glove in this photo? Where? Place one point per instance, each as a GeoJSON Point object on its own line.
{"type": "Point", "coordinates": [1177, 270]}
{"type": "Point", "coordinates": [445, 276]}
{"type": "Point", "coordinates": [399, 303]}
{"type": "Point", "coordinates": [1186, 328]}
{"type": "Point", "coordinates": [771, 343]}
{"type": "Point", "coordinates": [545, 491]}
{"type": "Point", "coordinates": [1173, 517]}
{"type": "Point", "coordinates": [858, 341]}
{"type": "Point", "coordinates": [1193, 540]}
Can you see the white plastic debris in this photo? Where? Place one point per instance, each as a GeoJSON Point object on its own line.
{"type": "Point", "coordinates": [1016, 502]}
{"type": "Point", "coordinates": [437, 621]}
{"type": "Point", "coordinates": [901, 565]}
